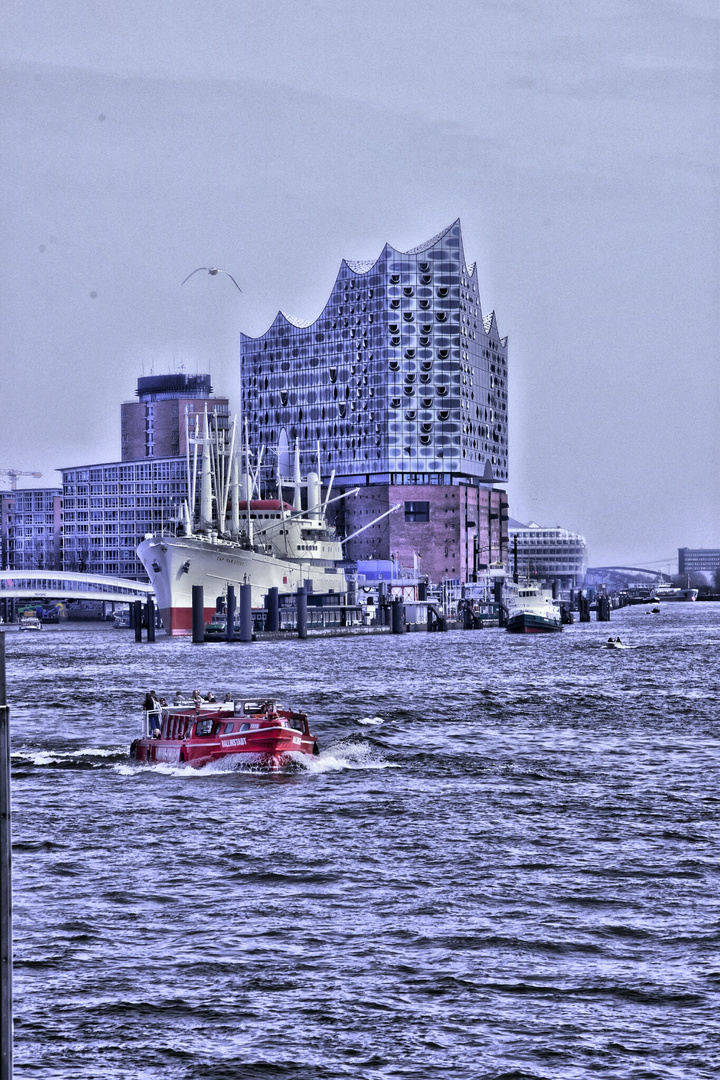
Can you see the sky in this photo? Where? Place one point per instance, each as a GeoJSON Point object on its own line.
{"type": "Point", "coordinates": [577, 142]}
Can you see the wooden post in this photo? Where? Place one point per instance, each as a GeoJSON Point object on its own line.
{"type": "Point", "coordinates": [138, 620]}
{"type": "Point", "coordinates": [6, 1002]}
{"type": "Point", "coordinates": [150, 608]}
{"type": "Point", "coordinates": [398, 626]}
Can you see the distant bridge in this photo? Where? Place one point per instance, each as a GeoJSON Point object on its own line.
{"type": "Point", "coordinates": [658, 574]}
{"type": "Point", "coordinates": [64, 585]}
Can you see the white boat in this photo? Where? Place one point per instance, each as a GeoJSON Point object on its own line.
{"type": "Point", "coordinates": [29, 622]}
{"type": "Point", "coordinates": [532, 610]}
{"type": "Point", "coordinates": [266, 543]}
{"type": "Point", "coordinates": [673, 592]}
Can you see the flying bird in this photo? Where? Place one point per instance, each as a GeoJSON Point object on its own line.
{"type": "Point", "coordinates": [213, 270]}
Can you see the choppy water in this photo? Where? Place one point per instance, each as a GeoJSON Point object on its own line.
{"type": "Point", "coordinates": [504, 863]}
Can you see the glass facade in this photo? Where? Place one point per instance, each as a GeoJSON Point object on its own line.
{"type": "Point", "coordinates": [401, 379]}
{"type": "Point", "coordinates": [108, 509]}
{"type": "Point", "coordinates": [549, 553]}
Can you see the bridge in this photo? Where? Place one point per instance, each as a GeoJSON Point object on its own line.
{"type": "Point", "coordinates": [65, 585]}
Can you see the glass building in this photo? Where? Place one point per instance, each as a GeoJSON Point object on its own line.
{"type": "Point", "coordinates": [552, 554]}
{"type": "Point", "coordinates": [400, 380]}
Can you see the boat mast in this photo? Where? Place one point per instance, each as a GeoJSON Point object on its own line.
{"type": "Point", "coordinates": [205, 478]}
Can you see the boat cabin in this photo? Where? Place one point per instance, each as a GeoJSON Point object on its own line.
{"type": "Point", "coordinates": [183, 722]}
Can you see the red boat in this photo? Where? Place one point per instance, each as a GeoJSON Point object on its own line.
{"type": "Point", "coordinates": [262, 734]}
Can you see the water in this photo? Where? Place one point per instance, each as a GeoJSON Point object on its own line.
{"type": "Point", "coordinates": [503, 864]}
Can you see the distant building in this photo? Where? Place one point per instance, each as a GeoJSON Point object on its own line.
{"type": "Point", "coordinates": [698, 560]}
{"type": "Point", "coordinates": [548, 554]}
{"type": "Point", "coordinates": [7, 501]}
{"type": "Point", "coordinates": [34, 529]}
{"type": "Point", "coordinates": [107, 509]}
{"type": "Point", "coordinates": [154, 425]}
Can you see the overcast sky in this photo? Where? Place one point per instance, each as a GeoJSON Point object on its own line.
{"type": "Point", "coordinates": [577, 142]}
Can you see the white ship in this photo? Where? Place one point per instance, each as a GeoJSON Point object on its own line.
{"type": "Point", "coordinates": [262, 542]}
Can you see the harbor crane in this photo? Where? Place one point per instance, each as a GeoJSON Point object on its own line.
{"type": "Point", "coordinates": [14, 473]}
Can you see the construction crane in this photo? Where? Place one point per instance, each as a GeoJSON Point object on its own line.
{"type": "Point", "coordinates": [14, 473]}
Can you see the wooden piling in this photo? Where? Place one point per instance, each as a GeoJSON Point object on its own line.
{"type": "Point", "coordinates": [137, 605]}
{"type": "Point", "coordinates": [273, 609]}
{"type": "Point", "coordinates": [150, 609]}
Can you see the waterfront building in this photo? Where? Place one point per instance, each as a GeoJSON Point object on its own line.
{"type": "Point", "coordinates": [7, 501]}
{"type": "Point", "coordinates": [399, 386]}
{"type": "Point", "coordinates": [108, 508]}
{"type": "Point", "coordinates": [154, 425]}
{"type": "Point", "coordinates": [548, 554]}
{"type": "Point", "coordinates": [32, 524]}
{"type": "Point", "coordinates": [698, 560]}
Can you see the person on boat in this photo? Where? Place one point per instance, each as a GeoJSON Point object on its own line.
{"type": "Point", "coordinates": [197, 697]}
{"type": "Point", "coordinates": [211, 697]}
{"type": "Point", "coordinates": [228, 697]}
{"type": "Point", "coordinates": [151, 701]}
{"type": "Point", "coordinates": [163, 703]}
{"type": "Point", "coordinates": [178, 699]}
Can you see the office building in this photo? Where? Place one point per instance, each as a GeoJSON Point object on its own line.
{"type": "Point", "coordinates": [108, 508]}
{"type": "Point", "coordinates": [698, 560]}
{"type": "Point", "coordinates": [155, 426]}
{"type": "Point", "coordinates": [548, 554]}
{"type": "Point", "coordinates": [32, 528]}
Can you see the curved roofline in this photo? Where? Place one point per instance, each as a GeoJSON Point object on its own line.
{"type": "Point", "coordinates": [362, 267]}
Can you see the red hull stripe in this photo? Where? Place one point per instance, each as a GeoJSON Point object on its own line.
{"type": "Point", "coordinates": [178, 620]}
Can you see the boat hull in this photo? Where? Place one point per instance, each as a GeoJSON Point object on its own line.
{"type": "Point", "coordinates": [526, 623]}
{"type": "Point", "coordinates": [175, 564]}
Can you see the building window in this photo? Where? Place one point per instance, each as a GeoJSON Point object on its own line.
{"type": "Point", "coordinates": [417, 511]}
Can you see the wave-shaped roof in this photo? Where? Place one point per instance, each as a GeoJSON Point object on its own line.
{"type": "Point", "coordinates": [432, 242]}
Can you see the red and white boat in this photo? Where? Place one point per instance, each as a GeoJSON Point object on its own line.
{"type": "Point", "coordinates": [259, 733]}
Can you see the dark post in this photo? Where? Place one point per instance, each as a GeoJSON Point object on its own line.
{"type": "Point", "coordinates": [301, 609]}
{"type": "Point", "coordinates": [138, 619]}
{"type": "Point", "coordinates": [498, 589]}
{"type": "Point", "coordinates": [555, 590]}
{"type": "Point", "coordinates": [422, 591]}
{"type": "Point", "coordinates": [398, 625]}
{"type": "Point", "coordinates": [198, 615]}
{"type": "Point", "coordinates": [230, 628]}
{"type": "Point", "coordinates": [515, 569]}
{"type": "Point", "coordinates": [6, 1003]}
{"type": "Point", "coordinates": [246, 618]}
{"type": "Point", "coordinates": [273, 609]}
{"type": "Point", "coordinates": [219, 604]}
{"type": "Point", "coordinates": [150, 607]}
{"type": "Point", "coordinates": [131, 616]}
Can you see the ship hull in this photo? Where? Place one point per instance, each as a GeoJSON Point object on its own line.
{"type": "Point", "coordinates": [526, 623]}
{"type": "Point", "coordinates": [175, 564]}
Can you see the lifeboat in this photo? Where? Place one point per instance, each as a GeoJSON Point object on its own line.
{"type": "Point", "coordinates": [259, 733]}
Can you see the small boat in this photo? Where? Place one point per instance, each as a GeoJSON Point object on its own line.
{"type": "Point", "coordinates": [121, 620]}
{"type": "Point", "coordinates": [533, 611]}
{"type": "Point", "coordinates": [29, 622]}
{"type": "Point", "coordinates": [260, 733]}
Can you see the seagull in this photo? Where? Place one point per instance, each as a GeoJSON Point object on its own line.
{"type": "Point", "coordinates": [213, 270]}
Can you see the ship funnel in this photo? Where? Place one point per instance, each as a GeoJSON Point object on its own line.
{"type": "Point", "coordinates": [313, 492]}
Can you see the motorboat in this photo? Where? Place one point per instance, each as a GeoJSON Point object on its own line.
{"type": "Point", "coordinates": [532, 610]}
{"type": "Point", "coordinates": [261, 733]}
{"type": "Point", "coordinates": [29, 622]}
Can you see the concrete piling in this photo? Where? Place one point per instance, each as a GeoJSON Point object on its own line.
{"type": "Point", "coordinates": [272, 602]}
{"type": "Point", "coordinates": [198, 615]}
{"type": "Point", "coordinates": [230, 628]}
{"type": "Point", "coordinates": [246, 616]}
{"type": "Point", "coordinates": [398, 620]}
{"type": "Point", "coordinates": [301, 608]}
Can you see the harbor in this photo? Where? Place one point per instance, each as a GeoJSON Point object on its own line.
{"type": "Point", "coordinates": [572, 787]}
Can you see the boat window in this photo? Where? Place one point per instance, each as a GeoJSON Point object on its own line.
{"type": "Point", "coordinates": [245, 727]}
{"type": "Point", "coordinates": [229, 727]}
{"type": "Point", "coordinates": [204, 727]}
{"type": "Point", "coordinates": [296, 723]}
